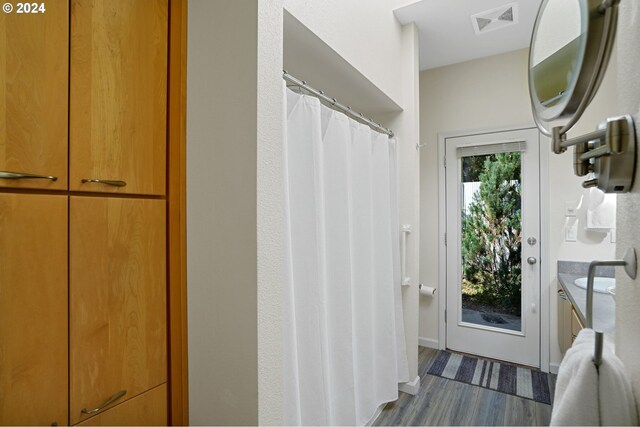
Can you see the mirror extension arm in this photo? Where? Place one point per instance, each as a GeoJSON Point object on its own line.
{"type": "Point", "coordinates": [609, 153]}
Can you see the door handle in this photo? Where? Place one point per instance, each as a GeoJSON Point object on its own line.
{"type": "Point", "coordinates": [112, 182]}
{"type": "Point", "coordinates": [19, 175]}
{"type": "Point", "coordinates": [531, 260]}
{"type": "Point", "coordinates": [107, 402]}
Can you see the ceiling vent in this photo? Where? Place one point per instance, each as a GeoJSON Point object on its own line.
{"type": "Point", "coordinates": [494, 19]}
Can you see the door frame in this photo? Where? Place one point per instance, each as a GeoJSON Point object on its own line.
{"type": "Point", "coordinates": [544, 236]}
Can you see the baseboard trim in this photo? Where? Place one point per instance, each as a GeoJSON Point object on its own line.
{"type": "Point", "coordinates": [554, 368]}
{"type": "Point", "coordinates": [411, 387]}
{"type": "Point", "coordinates": [428, 342]}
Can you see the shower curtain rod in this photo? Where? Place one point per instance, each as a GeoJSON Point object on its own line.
{"type": "Point", "coordinates": [347, 110]}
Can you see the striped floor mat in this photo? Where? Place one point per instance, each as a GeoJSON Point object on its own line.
{"type": "Point", "coordinates": [502, 377]}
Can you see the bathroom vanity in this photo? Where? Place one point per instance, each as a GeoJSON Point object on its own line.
{"type": "Point", "coordinates": [572, 302]}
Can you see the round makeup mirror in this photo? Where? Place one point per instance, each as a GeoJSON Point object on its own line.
{"type": "Point", "coordinates": [570, 49]}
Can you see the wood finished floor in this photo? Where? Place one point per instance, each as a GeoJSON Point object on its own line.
{"type": "Point", "coordinates": [446, 402]}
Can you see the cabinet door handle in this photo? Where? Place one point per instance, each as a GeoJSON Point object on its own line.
{"type": "Point", "coordinates": [108, 402]}
{"type": "Point", "coordinates": [112, 182]}
{"type": "Point", "coordinates": [18, 175]}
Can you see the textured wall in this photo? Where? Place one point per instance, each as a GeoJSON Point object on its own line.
{"type": "Point", "coordinates": [628, 291]}
{"type": "Point", "coordinates": [270, 201]}
{"type": "Point", "coordinates": [407, 126]}
{"type": "Point", "coordinates": [364, 33]}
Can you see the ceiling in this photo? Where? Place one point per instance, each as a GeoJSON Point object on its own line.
{"type": "Point", "coordinates": [447, 34]}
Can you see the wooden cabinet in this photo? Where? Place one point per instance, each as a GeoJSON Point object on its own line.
{"type": "Point", "coordinates": [147, 409]}
{"type": "Point", "coordinates": [564, 321]}
{"type": "Point", "coordinates": [118, 95]}
{"type": "Point", "coordinates": [83, 275]}
{"type": "Point", "coordinates": [569, 323]}
{"type": "Point", "coordinates": [33, 309]}
{"type": "Point", "coordinates": [34, 97]}
{"type": "Point", "coordinates": [576, 324]}
{"type": "Point", "coordinates": [117, 299]}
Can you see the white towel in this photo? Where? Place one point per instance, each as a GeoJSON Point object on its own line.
{"type": "Point", "coordinates": [584, 397]}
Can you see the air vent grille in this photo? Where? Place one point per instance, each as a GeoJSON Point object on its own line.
{"type": "Point", "coordinates": [494, 19]}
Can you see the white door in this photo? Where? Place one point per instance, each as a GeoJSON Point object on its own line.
{"type": "Point", "coordinates": [493, 248]}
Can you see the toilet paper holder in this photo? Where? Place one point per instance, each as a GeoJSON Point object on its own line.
{"type": "Point", "coordinates": [422, 285]}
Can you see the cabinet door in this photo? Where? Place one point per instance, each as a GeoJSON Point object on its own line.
{"type": "Point", "coordinates": [147, 409]}
{"type": "Point", "coordinates": [117, 313]}
{"type": "Point", "coordinates": [576, 324]}
{"type": "Point", "coordinates": [118, 103]}
{"type": "Point", "coordinates": [33, 309]}
{"type": "Point", "coordinates": [34, 58]}
{"type": "Point", "coordinates": [564, 322]}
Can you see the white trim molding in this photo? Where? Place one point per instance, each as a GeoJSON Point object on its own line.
{"type": "Point", "coordinates": [545, 257]}
{"type": "Point", "coordinates": [442, 246]}
{"type": "Point", "coordinates": [411, 387]}
{"type": "Point", "coordinates": [429, 343]}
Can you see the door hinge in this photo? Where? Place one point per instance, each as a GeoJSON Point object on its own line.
{"type": "Point", "coordinates": [445, 315]}
{"type": "Point", "coordinates": [445, 162]}
{"type": "Point", "coordinates": [445, 239]}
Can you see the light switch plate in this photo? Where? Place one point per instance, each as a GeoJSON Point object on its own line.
{"type": "Point", "coordinates": [612, 235]}
{"type": "Point", "coordinates": [571, 209]}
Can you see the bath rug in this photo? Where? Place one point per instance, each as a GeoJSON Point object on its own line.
{"type": "Point", "coordinates": [503, 377]}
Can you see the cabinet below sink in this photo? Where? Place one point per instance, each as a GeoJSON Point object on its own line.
{"type": "Point", "coordinates": [569, 323]}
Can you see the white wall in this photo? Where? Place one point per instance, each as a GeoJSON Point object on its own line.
{"type": "Point", "coordinates": [270, 211]}
{"type": "Point", "coordinates": [628, 291]}
{"type": "Point", "coordinates": [365, 33]}
{"type": "Point", "coordinates": [493, 93]}
{"type": "Point", "coordinates": [406, 125]}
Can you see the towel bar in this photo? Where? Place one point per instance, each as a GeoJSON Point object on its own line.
{"type": "Point", "coordinates": [629, 262]}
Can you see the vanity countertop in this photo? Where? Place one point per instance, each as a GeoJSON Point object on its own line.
{"type": "Point", "coordinates": [604, 306]}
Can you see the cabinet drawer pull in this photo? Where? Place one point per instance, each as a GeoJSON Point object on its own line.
{"type": "Point", "coordinates": [108, 402]}
{"type": "Point", "coordinates": [18, 175]}
{"type": "Point", "coordinates": [115, 183]}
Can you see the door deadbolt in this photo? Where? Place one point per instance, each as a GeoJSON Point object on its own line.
{"type": "Point", "coordinates": [532, 241]}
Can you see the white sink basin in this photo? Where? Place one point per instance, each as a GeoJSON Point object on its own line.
{"type": "Point", "coordinates": [600, 284]}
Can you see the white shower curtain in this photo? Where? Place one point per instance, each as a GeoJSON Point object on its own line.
{"type": "Point", "coordinates": [344, 339]}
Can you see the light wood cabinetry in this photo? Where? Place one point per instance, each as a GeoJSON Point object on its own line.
{"type": "Point", "coordinates": [117, 299]}
{"type": "Point", "coordinates": [564, 321]}
{"type": "Point", "coordinates": [84, 94]}
{"type": "Point", "coordinates": [576, 324]}
{"type": "Point", "coordinates": [118, 95]}
{"type": "Point", "coordinates": [33, 97]}
{"type": "Point", "coordinates": [148, 409]}
{"type": "Point", "coordinates": [33, 309]}
{"type": "Point", "coordinates": [569, 324]}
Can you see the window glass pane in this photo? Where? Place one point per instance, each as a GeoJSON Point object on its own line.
{"type": "Point", "coordinates": [491, 245]}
